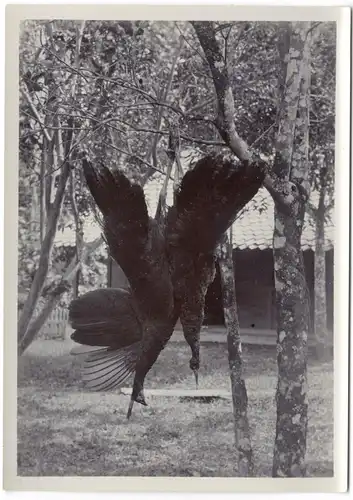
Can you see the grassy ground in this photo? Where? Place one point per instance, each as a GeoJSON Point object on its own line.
{"type": "Point", "coordinates": [64, 430]}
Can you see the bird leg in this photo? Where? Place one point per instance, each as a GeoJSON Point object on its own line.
{"type": "Point", "coordinates": [155, 338]}
{"type": "Point", "coordinates": [196, 373]}
{"type": "Point", "coordinates": [192, 337]}
{"type": "Point", "coordinates": [191, 318]}
{"type": "Point", "coordinates": [131, 404]}
{"type": "Point", "coordinates": [140, 398]}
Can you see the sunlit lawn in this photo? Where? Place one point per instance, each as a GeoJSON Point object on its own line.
{"type": "Point", "coordinates": [65, 430]}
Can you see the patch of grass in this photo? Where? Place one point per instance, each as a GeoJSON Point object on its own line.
{"type": "Point", "coordinates": [65, 430]}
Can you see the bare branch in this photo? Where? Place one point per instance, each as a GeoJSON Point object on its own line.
{"type": "Point", "coordinates": [199, 106]}
{"type": "Point", "coordinates": [79, 35]}
{"type": "Point", "coordinates": [68, 66]}
{"type": "Point", "coordinates": [202, 141]}
{"type": "Point", "coordinates": [164, 132]}
{"type": "Point", "coordinates": [35, 113]}
{"type": "Point", "coordinates": [258, 139]}
{"type": "Point", "coordinates": [193, 48]}
{"type": "Point", "coordinates": [226, 112]}
{"type": "Point", "coordinates": [54, 296]}
{"type": "Point", "coordinates": [153, 151]}
{"type": "Point", "coordinates": [135, 157]}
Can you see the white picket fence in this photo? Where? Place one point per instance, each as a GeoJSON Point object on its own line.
{"type": "Point", "coordinates": [56, 325]}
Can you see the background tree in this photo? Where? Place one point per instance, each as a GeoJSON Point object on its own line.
{"type": "Point", "coordinates": [113, 88]}
{"type": "Point", "coordinates": [97, 86]}
{"type": "Point", "coordinates": [291, 167]}
{"type": "Point", "coordinates": [322, 153]}
{"type": "Point", "coordinates": [56, 136]}
{"type": "Point", "coordinates": [239, 395]}
{"type": "Point", "coordinates": [288, 185]}
{"type": "Point", "coordinates": [323, 180]}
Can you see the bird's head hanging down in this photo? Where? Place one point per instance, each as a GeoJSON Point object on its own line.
{"type": "Point", "coordinates": [210, 197]}
{"type": "Point", "coordinates": [169, 269]}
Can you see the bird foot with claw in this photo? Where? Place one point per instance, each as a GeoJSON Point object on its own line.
{"type": "Point", "coordinates": [139, 399]}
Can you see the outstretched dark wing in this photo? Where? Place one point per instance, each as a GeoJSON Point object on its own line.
{"type": "Point", "coordinates": [209, 199]}
{"type": "Point", "coordinates": [125, 216]}
{"type": "Point", "coordinates": [135, 240]}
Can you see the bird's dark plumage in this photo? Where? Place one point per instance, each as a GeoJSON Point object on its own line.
{"type": "Point", "coordinates": [108, 320]}
{"type": "Point", "coordinates": [208, 201]}
{"type": "Point", "coordinates": [137, 243]}
{"type": "Point", "coordinates": [210, 196]}
{"type": "Point", "coordinates": [169, 264]}
{"type": "Point", "coordinates": [105, 317]}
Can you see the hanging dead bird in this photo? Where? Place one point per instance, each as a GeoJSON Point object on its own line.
{"type": "Point", "coordinates": [169, 262]}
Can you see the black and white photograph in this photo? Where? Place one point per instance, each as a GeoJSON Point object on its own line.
{"type": "Point", "coordinates": [176, 247]}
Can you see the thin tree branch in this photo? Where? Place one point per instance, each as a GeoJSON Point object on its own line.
{"type": "Point", "coordinates": [193, 48]}
{"type": "Point", "coordinates": [202, 141]}
{"type": "Point", "coordinates": [199, 106]}
{"type": "Point", "coordinates": [43, 265]}
{"type": "Point", "coordinates": [35, 113]}
{"type": "Point", "coordinates": [135, 157]}
{"type": "Point", "coordinates": [54, 296]}
{"type": "Point", "coordinates": [258, 139]}
{"type": "Point", "coordinates": [79, 35]}
{"type": "Point", "coordinates": [153, 151]}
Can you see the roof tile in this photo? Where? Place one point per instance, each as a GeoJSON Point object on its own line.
{"type": "Point", "coordinates": [252, 229]}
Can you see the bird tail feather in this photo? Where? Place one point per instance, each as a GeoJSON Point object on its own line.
{"type": "Point", "coordinates": [108, 327]}
{"type": "Point", "coordinates": [105, 318]}
{"type": "Point", "coordinates": [107, 369]}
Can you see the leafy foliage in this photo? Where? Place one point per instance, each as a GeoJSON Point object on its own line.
{"type": "Point", "coordinates": [127, 84]}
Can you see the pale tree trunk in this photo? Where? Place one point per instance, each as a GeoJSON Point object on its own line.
{"type": "Point", "coordinates": [35, 216]}
{"type": "Point", "coordinates": [163, 98]}
{"type": "Point", "coordinates": [53, 296]}
{"type": "Point", "coordinates": [226, 127]}
{"type": "Point", "coordinates": [44, 259]}
{"type": "Point", "coordinates": [239, 394]}
{"type": "Point", "coordinates": [43, 164]}
{"type": "Point", "coordinates": [290, 198]}
{"type": "Point", "coordinates": [78, 230]}
{"type": "Point", "coordinates": [291, 163]}
{"type": "Point", "coordinates": [226, 112]}
{"type": "Point", "coordinates": [322, 343]}
{"type": "Point", "coordinates": [53, 211]}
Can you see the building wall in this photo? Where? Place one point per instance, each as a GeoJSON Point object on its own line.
{"type": "Point", "coordinates": [116, 276]}
{"type": "Point", "coordinates": [254, 289]}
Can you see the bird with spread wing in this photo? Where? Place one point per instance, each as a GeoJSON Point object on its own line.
{"type": "Point", "coordinates": [169, 261]}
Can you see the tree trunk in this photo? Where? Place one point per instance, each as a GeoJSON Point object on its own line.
{"type": "Point", "coordinates": [53, 210]}
{"type": "Point", "coordinates": [239, 395]}
{"type": "Point", "coordinates": [288, 184]}
{"type": "Point", "coordinates": [44, 259]}
{"type": "Point", "coordinates": [320, 312]}
{"type": "Point", "coordinates": [164, 97]}
{"type": "Point", "coordinates": [226, 112]}
{"type": "Point", "coordinates": [43, 164]}
{"type": "Point", "coordinates": [292, 334]}
{"type": "Point", "coordinates": [35, 216]}
{"type": "Point", "coordinates": [54, 296]}
{"type": "Point", "coordinates": [292, 299]}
